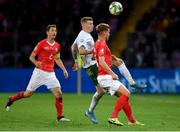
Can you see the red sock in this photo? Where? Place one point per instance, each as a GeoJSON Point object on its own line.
{"type": "Point", "coordinates": [119, 105]}
{"type": "Point", "coordinates": [128, 111]}
{"type": "Point", "coordinates": [59, 107]}
{"type": "Point", "coordinates": [18, 96]}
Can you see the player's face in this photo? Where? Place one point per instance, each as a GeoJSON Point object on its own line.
{"type": "Point", "coordinates": [88, 25]}
{"type": "Point", "coordinates": [52, 33]}
{"type": "Point", "coordinates": [107, 33]}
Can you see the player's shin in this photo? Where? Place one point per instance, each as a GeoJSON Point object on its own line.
{"type": "Point", "coordinates": [95, 99]}
{"type": "Point", "coordinates": [12, 99]}
{"type": "Point", "coordinates": [17, 96]}
{"type": "Point", "coordinates": [125, 72]}
{"type": "Point", "coordinates": [59, 107]}
{"type": "Point", "coordinates": [128, 111]}
{"type": "Point", "coordinates": [121, 101]}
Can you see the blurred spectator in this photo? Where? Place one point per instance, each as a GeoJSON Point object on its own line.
{"type": "Point", "coordinates": [156, 39]}
{"type": "Point", "coordinates": [22, 21]}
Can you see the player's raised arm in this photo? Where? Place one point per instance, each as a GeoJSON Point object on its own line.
{"type": "Point", "coordinates": [61, 65]}
{"type": "Point", "coordinates": [107, 68]}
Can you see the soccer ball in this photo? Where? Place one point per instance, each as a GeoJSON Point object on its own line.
{"type": "Point", "coordinates": [115, 8]}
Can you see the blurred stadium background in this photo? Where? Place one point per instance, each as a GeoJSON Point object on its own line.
{"type": "Point", "coordinates": [145, 36]}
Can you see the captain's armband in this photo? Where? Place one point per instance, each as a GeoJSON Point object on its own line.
{"type": "Point", "coordinates": [58, 56]}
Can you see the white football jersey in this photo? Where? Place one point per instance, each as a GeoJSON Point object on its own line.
{"type": "Point", "coordinates": [85, 40]}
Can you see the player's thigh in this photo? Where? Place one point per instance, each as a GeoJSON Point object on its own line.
{"type": "Point", "coordinates": [100, 90]}
{"type": "Point", "coordinates": [106, 82]}
{"type": "Point", "coordinates": [52, 83]}
{"type": "Point", "coordinates": [122, 90]}
{"type": "Point", "coordinates": [35, 81]}
{"type": "Point", "coordinates": [28, 93]}
{"type": "Point", "coordinates": [92, 72]}
{"type": "Point", "coordinates": [112, 86]}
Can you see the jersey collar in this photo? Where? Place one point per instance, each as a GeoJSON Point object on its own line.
{"type": "Point", "coordinates": [50, 43]}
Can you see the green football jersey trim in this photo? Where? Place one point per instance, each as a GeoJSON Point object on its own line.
{"type": "Point", "coordinates": [58, 56]}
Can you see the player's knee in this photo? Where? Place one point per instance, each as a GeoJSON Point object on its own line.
{"type": "Point", "coordinates": [127, 93]}
{"type": "Point", "coordinates": [100, 95]}
{"type": "Point", "coordinates": [58, 95]}
{"type": "Point", "coordinates": [100, 90]}
{"type": "Point", "coordinates": [28, 94]}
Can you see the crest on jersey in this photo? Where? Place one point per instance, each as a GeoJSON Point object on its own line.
{"type": "Point", "coordinates": [89, 44]}
{"type": "Point", "coordinates": [81, 40]}
{"type": "Point", "coordinates": [102, 51]}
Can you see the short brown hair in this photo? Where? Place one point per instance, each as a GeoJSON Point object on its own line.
{"type": "Point", "coordinates": [102, 27]}
{"type": "Point", "coordinates": [85, 19]}
{"type": "Point", "coordinates": [49, 26]}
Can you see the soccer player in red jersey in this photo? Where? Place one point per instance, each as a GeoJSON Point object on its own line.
{"type": "Point", "coordinates": [48, 52]}
{"type": "Point", "coordinates": [109, 80]}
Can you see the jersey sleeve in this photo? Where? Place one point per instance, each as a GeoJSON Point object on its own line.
{"type": "Point", "coordinates": [75, 41]}
{"type": "Point", "coordinates": [81, 42]}
{"type": "Point", "coordinates": [38, 48]}
{"type": "Point", "coordinates": [101, 50]}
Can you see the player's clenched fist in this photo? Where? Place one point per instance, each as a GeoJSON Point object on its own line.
{"type": "Point", "coordinates": [37, 63]}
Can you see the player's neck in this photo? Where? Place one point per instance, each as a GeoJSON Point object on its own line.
{"type": "Point", "coordinates": [51, 41]}
{"type": "Point", "coordinates": [85, 30]}
{"type": "Point", "coordinates": [102, 38]}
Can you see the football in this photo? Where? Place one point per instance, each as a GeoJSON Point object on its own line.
{"type": "Point", "coordinates": [115, 8]}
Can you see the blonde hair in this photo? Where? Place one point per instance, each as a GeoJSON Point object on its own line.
{"type": "Point", "coordinates": [85, 19]}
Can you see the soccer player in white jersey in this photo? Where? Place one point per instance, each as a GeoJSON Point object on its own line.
{"type": "Point", "coordinates": [84, 44]}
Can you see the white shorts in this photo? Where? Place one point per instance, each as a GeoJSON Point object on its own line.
{"type": "Point", "coordinates": [40, 77]}
{"type": "Point", "coordinates": [110, 85]}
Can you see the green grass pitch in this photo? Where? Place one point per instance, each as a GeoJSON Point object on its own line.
{"type": "Point", "coordinates": [158, 112]}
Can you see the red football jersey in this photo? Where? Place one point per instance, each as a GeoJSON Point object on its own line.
{"type": "Point", "coordinates": [101, 49]}
{"type": "Point", "coordinates": [46, 54]}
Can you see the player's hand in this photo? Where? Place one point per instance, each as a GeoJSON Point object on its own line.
{"type": "Point", "coordinates": [93, 57]}
{"type": "Point", "coordinates": [116, 63]}
{"type": "Point", "coordinates": [114, 57]}
{"type": "Point", "coordinates": [65, 74]}
{"type": "Point", "coordinates": [75, 66]}
{"type": "Point", "coordinates": [37, 63]}
{"type": "Point", "coordinates": [115, 77]}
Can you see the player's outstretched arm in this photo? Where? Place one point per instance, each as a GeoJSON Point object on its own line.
{"type": "Point", "coordinates": [61, 65]}
{"type": "Point", "coordinates": [33, 60]}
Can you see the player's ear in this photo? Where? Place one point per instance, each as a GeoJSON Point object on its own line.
{"type": "Point", "coordinates": [82, 24]}
{"type": "Point", "coordinates": [46, 32]}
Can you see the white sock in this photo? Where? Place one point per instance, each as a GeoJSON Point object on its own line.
{"type": "Point", "coordinates": [94, 102]}
{"type": "Point", "coordinates": [125, 72]}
